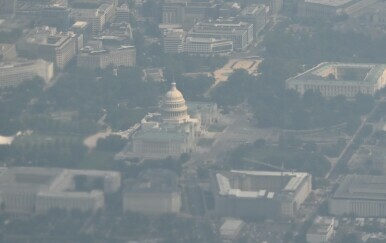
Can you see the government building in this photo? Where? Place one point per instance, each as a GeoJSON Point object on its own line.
{"type": "Point", "coordinates": [265, 194]}
{"type": "Point", "coordinates": [360, 195]}
{"type": "Point", "coordinates": [334, 79]}
{"type": "Point", "coordinates": [155, 192]}
{"type": "Point", "coordinates": [38, 190]}
{"type": "Point", "coordinates": [173, 131]}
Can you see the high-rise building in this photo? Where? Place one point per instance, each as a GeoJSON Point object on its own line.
{"type": "Point", "coordinates": [122, 14]}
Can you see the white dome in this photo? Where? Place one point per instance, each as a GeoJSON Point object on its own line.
{"type": "Point", "coordinates": [173, 107]}
{"type": "Point", "coordinates": [173, 94]}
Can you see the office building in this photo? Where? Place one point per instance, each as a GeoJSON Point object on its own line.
{"type": "Point", "coordinates": [347, 79]}
{"type": "Point", "coordinates": [323, 9]}
{"type": "Point", "coordinates": [95, 55]}
{"type": "Point", "coordinates": [240, 33]}
{"type": "Point", "coordinates": [173, 13]}
{"type": "Point", "coordinates": [260, 193]}
{"type": "Point", "coordinates": [154, 192]}
{"type": "Point", "coordinates": [207, 112]}
{"type": "Point", "coordinates": [83, 33]}
{"type": "Point", "coordinates": [255, 14]}
{"type": "Point", "coordinates": [122, 14]}
{"type": "Point", "coordinates": [38, 190]}
{"type": "Point", "coordinates": [205, 46]}
{"type": "Point", "coordinates": [230, 230]}
{"type": "Point", "coordinates": [322, 230]}
{"type": "Point", "coordinates": [7, 52]}
{"type": "Point", "coordinates": [15, 72]}
{"type": "Point", "coordinates": [97, 18]}
{"type": "Point", "coordinates": [360, 195]}
{"type": "Point", "coordinates": [50, 45]}
{"type": "Point", "coordinates": [173, 40]}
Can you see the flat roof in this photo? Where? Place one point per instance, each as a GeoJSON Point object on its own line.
{"type": "Point", "coordinates": [313, 75]}
{"type": "Point", "coordinates": [362, 187]}
{"type": "Point", "coordinates": [331, 3]}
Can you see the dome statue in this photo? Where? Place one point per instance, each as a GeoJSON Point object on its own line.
{"type": "Point", "coordinates": [173, 108]}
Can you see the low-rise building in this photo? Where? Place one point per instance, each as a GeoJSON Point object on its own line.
{"type": "Point", "coordinates": [173, 40]}
{"type": "Point", "coordinates": [38, 190]}
{"type": "Point", "coordinates": [260, 193]}
{"type": "Point", "coordinates": [321, 231]}
{"type": "Point", "coordinates": [255, 14]}
{"type": "Point", "coordinates": [347, 79]}
{"type": "Point", "coordinates": [194, 45]}
{"type": "Point", "coordinates": [240, 33]}
{"type": "Point", "coordinates": [360, 195]}
{"type": "Point", "coordinates": [104, 56]}
{"type": "Point", "coordinates": [323, 9]}
{"type": "Point", "coordinates": [230, 230]}
{"type": "Point", "coordinates": [155, 192]}
{"type": "Point", "coordinates": [50, 45]}
{"type": "Point", "coordinates": [15, 72]}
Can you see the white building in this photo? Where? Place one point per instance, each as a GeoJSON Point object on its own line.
{"type": "Point", "coordinates": [18, 71]}
{"type": "Point", "coordinates": [240, 33]}
{"type": "Point", "coordinates": [173, 40]}
{"type": "Point", "coordinates": [360, 195]}
{"type": "Point", "coordinates": [33, 189]}
{"type": "Point", "coordinates": [7, 52]}
{"type": "Point", "coordinates": [91, 58]}
{"type": "Point", "coordinates": [324, 9]}
{"type": "Point", "coordinates": [322, 230]}
{"type": "Point", "coordinates": [230, 229]}
{"type": "Point", "coordinates": [260, 193]}
{"type": "Point", "coordinates": [97, 18]}
{"type": "Point", "coordinates": [156, 192]}
{"type": "Point", "coordinates": [195, 45]}
{"type": "Point", "coordinates": [347, 79]}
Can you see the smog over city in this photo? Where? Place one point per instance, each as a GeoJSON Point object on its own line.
{"type": "Point", "coordinates": [192, 121]}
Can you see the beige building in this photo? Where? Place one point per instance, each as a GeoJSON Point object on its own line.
{"type": "Point", "coordinates": [360, 195]}
{"type": "Point", "coordinates": [347, 79]}
{"type": "Point", "coordinates": [7, 52]}
{"type": "Point", "coordinates": [323, 9]}
{"type": "Point", "coordinates": [156, 192]}
{"type": "Point", "coordinates": [91, 58]}
{"type": "Point", "coordinates": [29, 190]}
{"type": "Point", "coordinates": [97, 18]}
{"type": "Point", "coordinates": [322, 230]}
{"type": "Point", "coordinates": [18, 71]}
{"type": "Point", "coordinates": [260, 193]}
{"type": "Point", "coordinates": [50, 45]}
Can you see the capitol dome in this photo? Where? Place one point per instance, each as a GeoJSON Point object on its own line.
{"type": "Point", "coordinates": [173, 107]}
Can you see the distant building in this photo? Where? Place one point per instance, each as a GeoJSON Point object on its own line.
{"type": "Point", "coordinates": [97, 18]}
{"type": "Point", "coordinates": [154, 74]}
{"type": "Point", "coordinates": [230, 230]}
{"type": "Point", "coordinates": [7, 52]}
{"type": "Point", "coordinates": [122, 14]}
{"type": "Point", "coordinates": [173, 13]}
{"type": "Point", "coordinates": [103, 56]}
{"type": "Point", "coordinates": [347, 79]}
{"type": "Point", "coordinates": [323, 9]}
{"type": "Point", "coordinates": [360, 195]}
{"type": "Point", "coordinates": [260, 193]}
{"type": "Point", "coordinates": [275, 6]}
{"type": "Point", "coordinates": [17, 71]}
{"type": "Point", "coordinates": [256, 15]}
{"type": "Point", "coordinates": [240, 33]}
{"type": "Point", "coordinates": [207, 112]}
{"type": "Point", "coordinates": [83, 31]}
{"type": "Point", "coordinates": [321, 231]}
{"type": "Point", "coordinates": [38, 190]}
{"type": "Point", "coordinates": [194, 45]}
{"type": "Point", "coordinates": [173, 40]}
{"type": "Point", "coordinates": [50, 45]}
{"type": "Point", "coordinates": [155, 192]}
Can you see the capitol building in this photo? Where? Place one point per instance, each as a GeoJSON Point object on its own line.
{"type": "Point", "coordinates": [173, 131]}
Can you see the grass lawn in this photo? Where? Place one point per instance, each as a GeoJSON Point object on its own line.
{"type": "Point", "coordinates": [216, 128]}
{"type": "Point", "coordinates": [38, 138]}
{"type": "Point", "coordinates": [204, 142]}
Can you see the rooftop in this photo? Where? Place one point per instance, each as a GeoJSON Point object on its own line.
{"type": "Point", "coordinates": [331, 3]}
{"type": "Point", "coordinates": [341, 73]}
{"type": "Point", "coordinates": [155, 180]}
{"type": "Point", "coordinates": [365, 187]}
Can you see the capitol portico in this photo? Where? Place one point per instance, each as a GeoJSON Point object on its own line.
{"type": "Point", "coordinates": [172, 131]}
